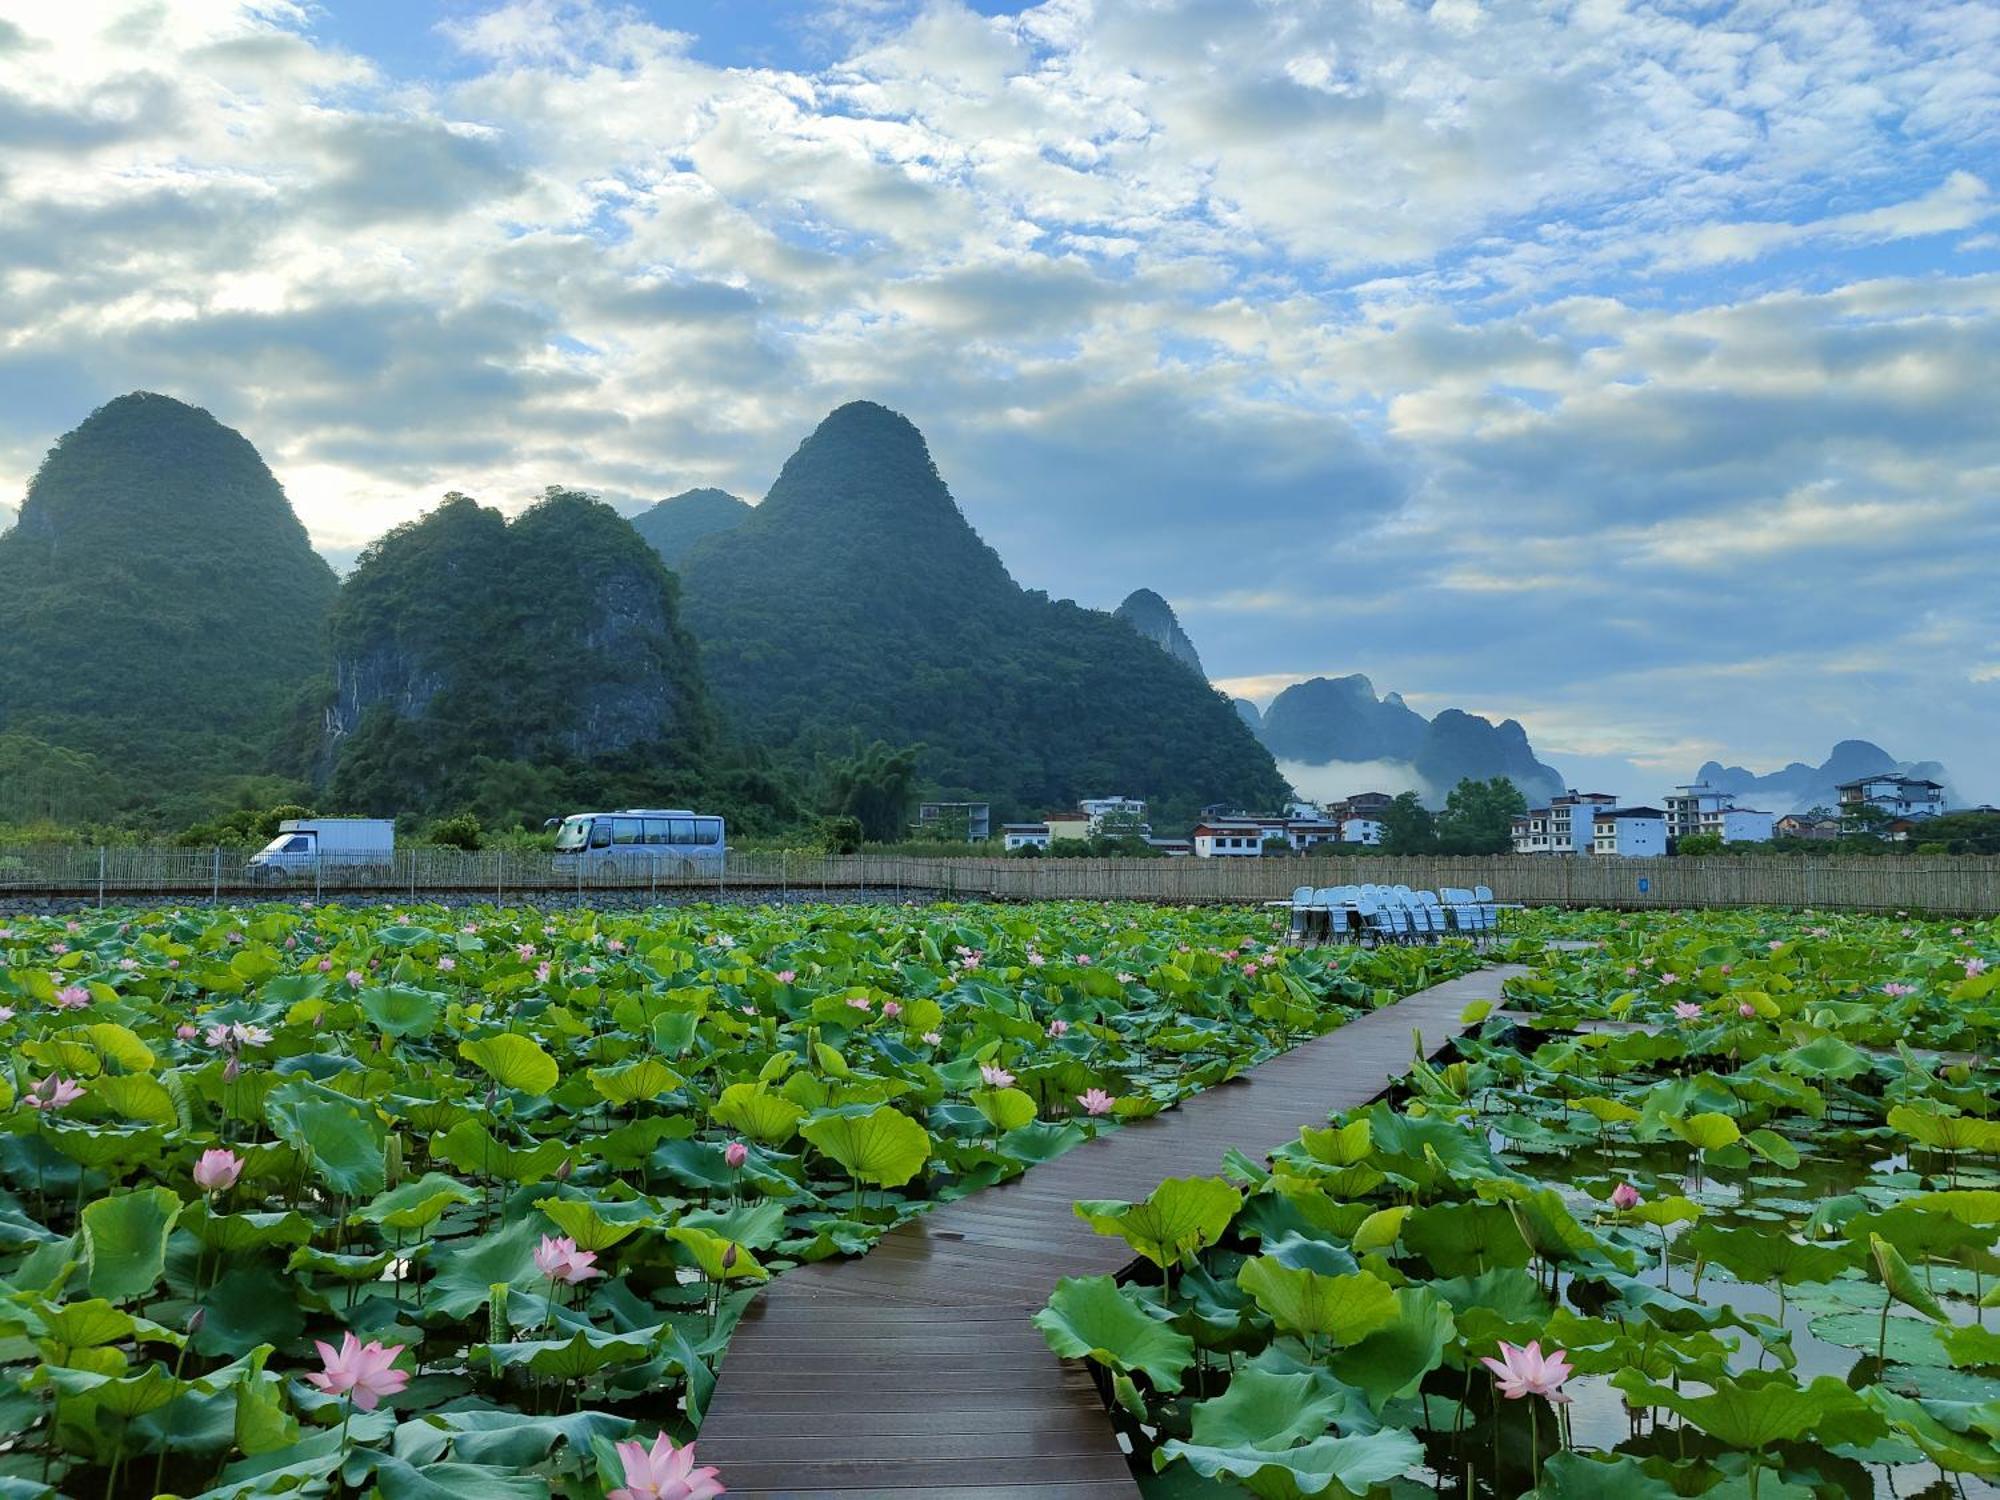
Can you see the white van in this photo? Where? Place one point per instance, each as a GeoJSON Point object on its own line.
{"type": "Point", "coordinates": [308, 845]}
{"type": "Point", "coordinates": [642, 840]}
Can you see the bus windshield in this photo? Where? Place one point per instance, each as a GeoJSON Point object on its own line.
{"type": "Point", "coordinates": [574, 833]}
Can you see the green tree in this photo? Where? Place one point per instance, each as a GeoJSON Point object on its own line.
{"type": "Point", "coordinates": [1699, 843]}
{"type": "Point", "coordinates": [876, 787]}
{"type": "Point", "coordinates": [1478, 817]}
{"type": "Point", "coordinates": [1408, 826]}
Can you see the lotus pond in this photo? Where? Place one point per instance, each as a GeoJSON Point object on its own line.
{"type": "Point", "coordinates": [439, 1204]}
{"type": "Point", "coordinates": [1709, 1209]}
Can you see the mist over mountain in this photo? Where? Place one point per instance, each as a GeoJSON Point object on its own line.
{"type": "Point", "coordinates": [160, 604]}
{"type": "Point", "coordinates": [463, 642]}
{"type": "Point", "coordinates": [7, 516]}
{"type": "Point", "coordinates": [1334, 722]}
{"type": "Point", "coordinates": [1799, 787]}
{"type": "Point", "coordinates": [1154, 618]}
{"type": "Point", "coordinates": [677, 523]}
{"type": "Point", "coordinates": [855, 603]}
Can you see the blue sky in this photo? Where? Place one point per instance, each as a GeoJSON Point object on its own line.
{"type": "Point", "coordinates": [1621, 366]}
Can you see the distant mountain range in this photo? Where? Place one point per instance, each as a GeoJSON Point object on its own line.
{"type": "Point", "coordinates": [1334, 721]}
{"type": "Point", "coordinates": [1800, 787]}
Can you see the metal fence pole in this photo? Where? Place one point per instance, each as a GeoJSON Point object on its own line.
{"type": "Point", "coordinates": [100, 877]}
{"type": "Point", "coordinates": [215, 893]}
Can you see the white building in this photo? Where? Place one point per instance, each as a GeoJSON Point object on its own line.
{"type": "Point", "coordinates": [1628, 832]}
{"type": "Point", "coordinates": [1228, 838]}
{"type": "Point", "coordinates": [1563, 827]}
{"type": "Point", "coordinates": [1746, 825]}
{"type": "Point", "coordinates": [1360, 831]}
{"type": "Point", "coordinates": [1120, 812]}
{"type": "Point", "coordinates": [1024, 836]}
{"type": "Point", "coordinates": [1701, 808]}
{"type": "Point", "coordinates": [1897, 796]}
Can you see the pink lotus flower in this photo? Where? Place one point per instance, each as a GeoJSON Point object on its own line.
{"type": "Point", "coordinates": [360, 1370]}
{"type": "Point", "coordinates": [998, 1078]}
{"type": "Point", "coordinates": [1893, 988]}
{"type": "Point", "coordinates": [542, 972]}
{"type": "Point", "coordinates": [1058, 1027]}
{"type": "Point", "coordinates": [1524, 1372]}
{"type": "Point", "coordinates": [1630, 972]}
{"type": "Point", "coordinates": [858, 1002]}
{"type": "Point", "coordinates": [1669, 977]}
{"type": "Point", "coordinates": [1974, 967]}
{"type": "Point", "coordinates": [786, 976]}
{"type": "Point", "coordinates": [1124, 978]}
{"type": "Point", "coordinates": [616, 945]}
{"type": "Point", "coordinates": [735, 1154]}
{"type": "Point", "coordinates": [524, 951]}
{"type": "Point", "coordinates": [58, 947]}
{"type": "Point", "coordinates": [72, 997]}
{"type": "Point", "coordinates": [1775, 944]}
{"type": "Point", "coordinates": [53, 1093]}
{"type": "Point", "coordinates": [446, 963]}
{"type": "Point", "coordinates": [1084, 959]}
{"type": "Point", "coordinates": [6, 1014]}
{"type": "Point", "coordinates": [724, 940]}
{"type": "Point", "coordinates": [892, 1008]}
{"type": "Point", "coordinates": [355, 979]}
{"type": "Point", "coordinates": [1096, 1102]}
{"type": "Point", "coordinates": [663, 1473]}
{"type": "Point", "coordinates": [560, 1260]}
{"type": "Point", "coordinates": [1686, 1010]}
{"type": "Point", "coordinates": [1727, 969]}
{"type": "Point", "coordinates": [326, 966]}
{"type": "Point", "coordinates": [1746, 1010]}
{"type": "Point", "coordinates": [933, 1038]}
{"type": "Point", "coordinates": [217, 1170]}
{"type": "Point", "coordinates": [1625, 1196]}
{"type": "Point", "coordinates": [1036, 959]}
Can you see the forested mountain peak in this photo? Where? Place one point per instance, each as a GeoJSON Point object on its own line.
{"type": "Point", "coordinates": [1154, 618]}
{"type": "Point", "coordinates": [856, 602]}
{"type": "Point", "coordinates": [159, 601]}
{"type": "Point", "coordinates": [678, 522]}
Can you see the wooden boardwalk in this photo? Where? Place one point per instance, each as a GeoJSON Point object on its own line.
{"type": "Point", "coordinates": [914, 1370]}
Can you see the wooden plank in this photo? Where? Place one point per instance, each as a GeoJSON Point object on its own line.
{"type": "Point", "coordinates": [914, 1370]}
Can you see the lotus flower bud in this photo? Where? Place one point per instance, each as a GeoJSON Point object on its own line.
{"type": "Point", "coordinates": [562, 1172]}
{"type": "Point", "coordinates": [729, 1260]}
{"type": "Point", "coordinates": [735, 1154]}
{"type": "Point", "coordinates": [497, 1331]}
{"type": "Point", "coordinates": [233, 1071]}
{"type": "Point", "coordinates": [195, 1319]}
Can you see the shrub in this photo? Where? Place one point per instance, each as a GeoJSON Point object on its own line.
{"type": "Point", "coordinates": [461, 831]}
{"type": "Point", "coordinates": [840, 834]}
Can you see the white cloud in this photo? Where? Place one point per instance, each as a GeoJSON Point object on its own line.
{"type": "Point", "coordinates": [1453, 343]}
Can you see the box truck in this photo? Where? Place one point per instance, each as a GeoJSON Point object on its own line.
{"type": "Point", "coordinates": [306, 846]}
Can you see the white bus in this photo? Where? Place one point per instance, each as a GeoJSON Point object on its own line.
{"type": "Point", "coordinates": [639, 840]}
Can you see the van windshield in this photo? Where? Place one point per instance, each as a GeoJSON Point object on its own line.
{"type": "Point", "coordinates": [574, 833]}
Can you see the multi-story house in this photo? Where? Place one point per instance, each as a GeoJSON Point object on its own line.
{"type": "Point", "coordinates": [1563, 827]}
{"type": "Point", "coordinates": [1891, 795]}
{"type": "Point", "coordinates": [1628, 832]}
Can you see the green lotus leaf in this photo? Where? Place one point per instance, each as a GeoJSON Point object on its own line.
{"type": "Point", "coordinates": [1462, 1239]}
{"type": "Point", "coordinates": [121, 1044]}
{"type": "Point", "coordinates": [136, 1096]}
{"type": "Point", "coordinates": [1005, 1109]}
{"type": "Point", "coordinates": [400, 1010]}
{"type": "Point", "coordinates": [1179, 1217]}
{"type": "Point", "coordinates": [1342, 1309]}
{"type": "Point", "coordinates": [1340, 1465]}
{"type": "Point", "coordinates": [1709, 1131]}
{"type": "Point", "coordinates": [1089, 1317]}
{"type": "Point", "coordinates": [470, 1147]}
{"type": "Point", "coordinates": [1758, 1408]}
{"type": "Point", "coordinates": [1944, 1132]}
{"type": "Point", "coordinates": [584, 1353]}
{"type": "Point", "coordinates": [1573, 1475]}
{"type": "Point", "coordinates": [882, 1146]}
{"type": "Point", "coordinates": [236, 1234]}
{"type": "Point", "coordinates": [759, 1113]}
{"type": "Point", "coordinates": [1955, 1453]}
{"type": "Point", "coordinates": [1341, 1147]}
{"type": "Point", "coordinates": [1269, 1407]}
{"type": "Point", "coordinates": [1758, 1255]}
{"type": "Point", "coordinates": [517, 1440]}
{"type": "Point", "coordinates": [413, 1205]}
{"type": "Point", "coordinates": [712, 1253]}
{"type": "Point", "coordinates": [1391, 1363]}
{"type": "Point", "coordinates": [126, 1396]}
{"type": "Point", "coordinates": [1971, 1345]}
{"type": "Point", "coordinates": [125, 1242]}
{"type": "Point", "coordinates": [345, 1148]}
{"type": "Point", "coordinates": [1980, 1206]}
{"type": "Point", "coordinates": [1380, 1229]}
{"type": "Point", "coordinates": [597, 1226]}
{"type": "Point", "coordinates": [1896, 1275]}
{"type": "Point", "coordinates": [1773, 1147]}
{"type": "Point", "coordinates": [647, 1078]}
{"type": "Point", "coordinates": [513, 1062]}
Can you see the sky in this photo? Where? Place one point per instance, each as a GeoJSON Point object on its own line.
{"type": "Point", "coordinates": [1624, 368]}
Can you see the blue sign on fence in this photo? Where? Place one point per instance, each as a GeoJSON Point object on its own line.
{"type": "Point", "coordinates": [1645, 885]}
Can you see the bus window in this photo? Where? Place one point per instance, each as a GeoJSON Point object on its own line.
{"type": "Point", "coordinates": [574, 834]}
{"type": "Point", "coordinates": [708, 831]}
{"type": "Point", "coordinates": [657, 831]}
{"type": "Point", "coordinates": [600, 834]}
{"type": "Point", "coordinates": [626, 830]}
{"type": "Point", "coordinates": [683, 832]}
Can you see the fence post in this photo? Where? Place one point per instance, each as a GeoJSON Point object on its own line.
{"type": "Point", "coordinates": [100, 877]}
{"type": "Point", "coordinates": [215, 894]}
{"type": "Point", "coordinates": [784, 875]}
{"type": "Point", "coordinates": [499, 876]}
